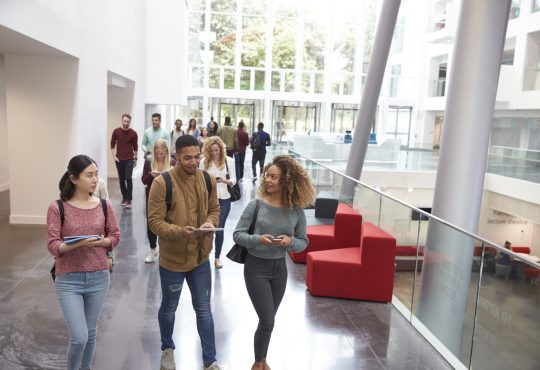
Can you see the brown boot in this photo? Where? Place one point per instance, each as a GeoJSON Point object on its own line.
{"type": "Point", "coordinates": [257, 365]}
{"type": "Point", "coordinates": [265, 364]}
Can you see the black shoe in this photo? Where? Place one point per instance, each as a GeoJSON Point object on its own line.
{"type": "Point", "coordinates": [254, 179]}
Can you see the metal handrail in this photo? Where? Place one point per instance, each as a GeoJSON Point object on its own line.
{"type": "Point", "coordinates": [429, 215]}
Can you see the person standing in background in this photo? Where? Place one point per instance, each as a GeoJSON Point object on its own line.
{"type": "Point", "coordinates": [124, 151]}
{"type": "Point", "coordinates": [153, 134]}
{"type": "Point", "coordinates": [175, 134]}
{"type": "Point", "coordinates": [240, 155]}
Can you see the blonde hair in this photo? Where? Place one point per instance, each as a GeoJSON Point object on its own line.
{"type": "Point", "coordinates": [206, 152]}
{"type": "Point", "coordinates": [161, 144]}
{"type": "Point", "coordinates": [296, 187]}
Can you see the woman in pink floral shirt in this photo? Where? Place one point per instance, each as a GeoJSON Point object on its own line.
{"type": "Point", "coordinates": [82, 276]}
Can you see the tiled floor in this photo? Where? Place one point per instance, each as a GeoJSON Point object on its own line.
{"type": "Point", "coordinates": [310, 333]}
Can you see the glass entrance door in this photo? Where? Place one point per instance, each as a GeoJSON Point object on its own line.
{"type": "Point", "coordinates": [399, 123]}
{"type": "Point", "coordinates": [294, 117]}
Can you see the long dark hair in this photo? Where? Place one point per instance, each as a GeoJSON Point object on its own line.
{"type": "Point", "coordinates": [76, 165]}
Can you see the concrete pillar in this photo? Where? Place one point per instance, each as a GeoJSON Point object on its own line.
{"type": "Point", "coordinates": [470, 102]}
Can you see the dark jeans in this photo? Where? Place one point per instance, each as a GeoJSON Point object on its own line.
{"type": "Point", "coordinates": [152, 238]}
{"type": "Point", "coordinates": [266, 281]}
{"type": "Point", "coordinates": [125, 172]}
{"type": "Point", "coordinates": [225, 208]}
{"type": "Point", "coordinates": [257, 157]}
{"type": "Point", "coordinates": [239, 162]}
{"type": "Point", "coordinates": [200, 286]}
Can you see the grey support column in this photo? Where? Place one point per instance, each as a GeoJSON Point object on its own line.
{"type": "Point", "coordinates": [459, 185]}
{"type": "Point", "coordinates": [372, 89]}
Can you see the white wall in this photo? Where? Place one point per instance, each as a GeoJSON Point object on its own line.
{"type": "Point", "coordinates": [40, 95]}
{"type": "Point", "coordinates": [166, 60]}
{"type": "Point", "coordinates": [69, 96]}
{"type": "Point", "coordinates": [4, 159]}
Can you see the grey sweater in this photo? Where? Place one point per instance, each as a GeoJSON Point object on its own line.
{"type": "Point", "coordinates": [273, 221]}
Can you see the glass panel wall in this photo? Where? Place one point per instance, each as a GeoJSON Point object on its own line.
{"type": "Point", "coordinates": [476, 301]}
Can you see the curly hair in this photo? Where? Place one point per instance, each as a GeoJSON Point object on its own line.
{"type": "Point", "coordinates": [296, 187]}
{"type": "Point", "coordinates": [208, 157]}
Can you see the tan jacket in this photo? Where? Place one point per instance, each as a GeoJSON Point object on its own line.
{"type": "Point", "coordinates": [190, 206]}
{"type": "Point", "coordinates": [227, 134]}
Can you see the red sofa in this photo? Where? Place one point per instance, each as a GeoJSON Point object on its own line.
{"type": "Point", "coordinates": [344, 233]}
{"type": "Point", "coordinates": [521, 249]}
{"type": "Point", "coordinates": [365, 272]}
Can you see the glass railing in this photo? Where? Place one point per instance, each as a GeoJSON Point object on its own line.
{"type": "Point", "coordinates": [474, 301]}
{"type": "Point", "coordinates": [389, 155]}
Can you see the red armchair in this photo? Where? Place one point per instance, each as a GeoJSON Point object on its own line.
{"type": "Point", "coordinates": [365, 272]}
{"type": "Point", "coordinates": [346, 232]}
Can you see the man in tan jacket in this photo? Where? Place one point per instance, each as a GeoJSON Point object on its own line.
{"type": "Point", "coordinates": [227, 134]}
{"type": "Point", "coordinates": [184, 247]}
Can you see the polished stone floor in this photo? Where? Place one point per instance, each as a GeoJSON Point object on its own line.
{"type": "Point", "coordinates": [310, 332]}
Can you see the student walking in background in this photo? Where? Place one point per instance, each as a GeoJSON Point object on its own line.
{"type": "Point", "coordinates": [259, 141]}
{"type": "Point", "coordinates": [285, 189]}
{"type": "Point", "coordinates": [192, 129]}
{"type": "Point", "coordinates": [124, 149]}
{"type": "Point", "coordinates": [161, 161]}
{"type": "Point", "coordinates": [217, 164]}
{"type": "Point", "coordinates": [227, 134]}
{"type": "Point", "coordinates": [152, 134]}
{"type": "Point", "coordinates": [240, 154]}
{"type": "Point", "coordinates": [175, 134]}
{"type": "Point", "coordinates": [82, 268]}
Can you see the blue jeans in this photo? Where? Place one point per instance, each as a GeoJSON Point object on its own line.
{"type": "Point", "coordinates": [225, 209]}
{"type": "Point", "coordinates": [239, 163]}
{"type": "Point", "coordinates": [200, 285]}
{"type": "Point", "coordinates": [81, 296]}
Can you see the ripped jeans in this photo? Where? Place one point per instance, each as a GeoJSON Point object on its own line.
{"type": "Point", "coordinates": [200, 285]}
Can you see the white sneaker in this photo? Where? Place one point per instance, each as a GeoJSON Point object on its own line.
{"type": "Point", "coordinates": [167, 360]}
{"type": "Point", "coordinates": [214, 366]}
{"type": "Point", "coordinates": [218, 263]}
{"type": "Point", "coordinates": [152, 255]}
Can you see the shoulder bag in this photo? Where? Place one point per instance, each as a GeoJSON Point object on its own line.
{"type": "Point", "coordinates": [234, 190]}
{"type": "Point", "coordinates": [238, 253]}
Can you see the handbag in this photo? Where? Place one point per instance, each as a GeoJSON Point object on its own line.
{"type": "Point", "coordinates": [234, 191]}
{"type": "Point", "coordinates": [238, 253]}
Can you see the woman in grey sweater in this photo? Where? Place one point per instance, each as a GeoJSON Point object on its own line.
{"type": "Point", "coordinates": [280, 227]}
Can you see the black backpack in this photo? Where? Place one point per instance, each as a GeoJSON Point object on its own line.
{"type": "Point", "coordinates": [256, 142]}
{"type": "Point", "coordinates": [168, 187]}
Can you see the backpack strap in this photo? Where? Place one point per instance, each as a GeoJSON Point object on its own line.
{"type": "Point", "coordinates": [104, 208]}
{"type": "Point", "coordinates": [208, 182]}
{"type": "Point", "coordinates": [61, 209]}
{"type": "Point", "coordinates": [168, 189]}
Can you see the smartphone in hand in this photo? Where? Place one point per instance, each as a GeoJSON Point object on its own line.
{"type": "Point", "coordinates": [276, 239]}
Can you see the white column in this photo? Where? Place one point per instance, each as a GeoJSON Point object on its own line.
{"type": "Point", "coordinates": [459, 185]}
